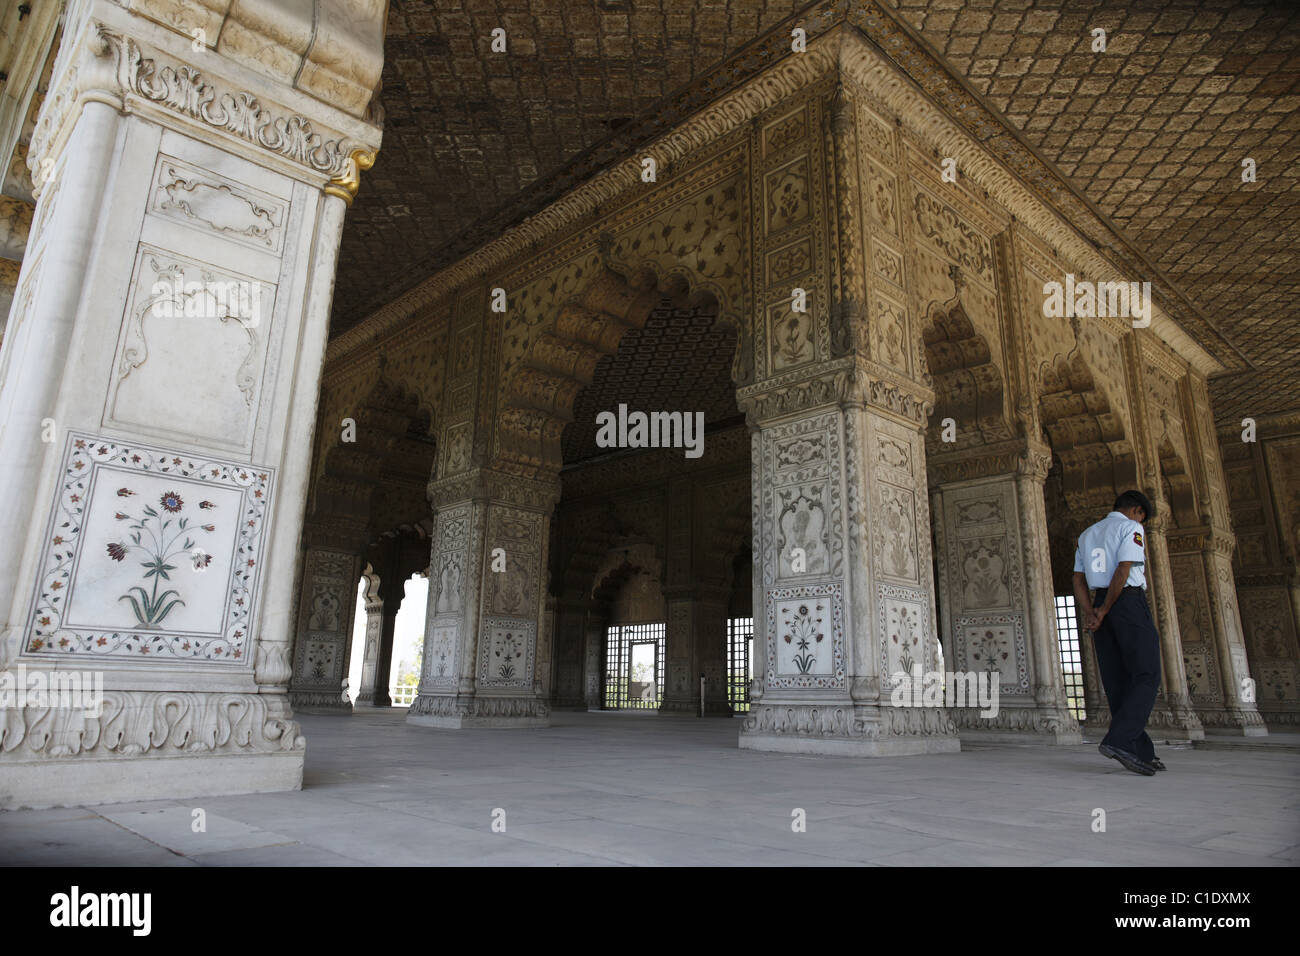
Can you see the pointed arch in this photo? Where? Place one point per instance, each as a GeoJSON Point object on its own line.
{"type": "Point", "coordinates": [968, 384]}
{"type": "Point", "coordinates": [1086, 436]}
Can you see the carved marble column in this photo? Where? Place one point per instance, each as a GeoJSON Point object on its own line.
{"type": "Point", "coordinates": [1238, 715]}
{"type": "Point", "coordinates": [161, 366]}
{"type": "Point", "coordinates": [326, 609]}
{"type": "Point", "coordinates": [594, 647]}
{"type": "Point", "coordinates": [1172, 715]}
{"type": "Point", "coordinates": [696, 645]}
{"type": "Point", "coordinates": [841, 533]}
{"type": "Point", "coordinates": [374, 608]}
{"type": "Point", "coordinates": [570, 656]}
{"type": "Point", "coordinates": [486, 602]}
{"type": "Point", "coordinates": [681, 686]}
{"type": "Point", "coordinates": [995, 592]}
{"type": "Point", "coordinates": [391, 596]}
{"type": "Point", "coordinates": [1054, 717]}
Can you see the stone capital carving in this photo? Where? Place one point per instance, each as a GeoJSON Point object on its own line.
{"type": "Point", "coordinates": [101, 63]}
{"type": "Point", "coordinates": [484, 484]}
{"type": "Point", "coordinates": [843, 382]}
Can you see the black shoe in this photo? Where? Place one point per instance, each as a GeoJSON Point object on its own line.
{"type": "Point", "coordinates": [1129, 761]}
{"type": "Point", "coordinates": [1158, 764]}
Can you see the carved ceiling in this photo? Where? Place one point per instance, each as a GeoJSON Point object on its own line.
{"type": "Point", "coordinates": [1151, 133]}
{"type": "Point", "coordinates": [472, 138]}
{"type": "Point", "coordinates": [679, 361]}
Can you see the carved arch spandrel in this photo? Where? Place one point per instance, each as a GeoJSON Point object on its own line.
{"type": "Point", "coordinates": [589, 538]}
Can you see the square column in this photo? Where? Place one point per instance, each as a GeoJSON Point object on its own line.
{"type": "Point", "coordinates": [1212, 647]}
{"type": "Point", "coordinates": [486, 602]}
{"type": "Point", "coordinates": [696, 645]}
{"type": "Point", "coordinates": [995, 591]}
{"type": "Point", "coordinates": [843, 579]}
{"type": "Point", "coordinates": [323, 649]}
{"type": "Point", "coordinates": [157, 385]}
{"type": "Point", "coordinates": [374, 610]}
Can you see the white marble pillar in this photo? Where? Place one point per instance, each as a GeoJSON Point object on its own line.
{"type": "Point", "coordinates": [157, 391]}
{"type": "Point", "coordinates": [844, 581]}
{"type": "Point", "coordinates": [486, 602]}
{"type": "Point", "coordinates": [996, 597]}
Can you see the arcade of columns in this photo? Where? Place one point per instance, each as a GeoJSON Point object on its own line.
{"type": "Point", "coordinates": [431, 438]}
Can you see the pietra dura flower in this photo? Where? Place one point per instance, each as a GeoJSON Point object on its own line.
{"type": "Point", "coordinates": [160, 539]}
{"type": "Point", "coordinates": [803, 627]}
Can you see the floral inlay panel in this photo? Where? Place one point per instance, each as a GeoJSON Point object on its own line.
{"type": "Point", "coordinates": [995, 642]}
{"type": "Point", "coordinates": [506, 654]}
{"type": "Point", "coordinates": [150, 554]}
{"type": "Point", "coordinates": [805, 636]}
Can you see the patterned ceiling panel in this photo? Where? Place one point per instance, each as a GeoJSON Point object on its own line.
{"type": "Point", "coordinates": [679, 361]}
{"type": "Point", "coordinates": [1154, 131]}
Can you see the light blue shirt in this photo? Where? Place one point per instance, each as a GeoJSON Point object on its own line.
{"type": "Point", "coordinates": [1112, 540]}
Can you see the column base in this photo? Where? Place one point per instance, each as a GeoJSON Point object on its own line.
{"type": "Point", "coordinates": [450, 712]}
{"type": "Point", "coordinates": [1232, 721]}
{"type": "Point", "coordinates": [1174, 723]}
{"type": "Point", "coordinates": [38, 784]}
{"type": "Point", "coordinates": [845, 730]}
{"type": "Point", "coordinates": [312, 702]}
{"type": "Point", "coordinates": [1017, 725]}
{"type": "Point", "coordinates": [1281, 721]}
{"type": "Point", "coordinates": [148, 746]}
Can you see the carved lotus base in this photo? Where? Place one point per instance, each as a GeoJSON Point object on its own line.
{"type": "Point", "coordinates": [452, 712]}
{"type": "Point", "coordinates": [148, 745]}
{"type": "Point", "coordinates": [1017, 725]}
{"type": "Point", "coordinates": [317, 703]}
{"type": "Point", "coordinates": [1223, 721]}
{"type": "Point", "coordinates": [845, 730]}
{"type": "Point", "coordinates": [1284, 721]}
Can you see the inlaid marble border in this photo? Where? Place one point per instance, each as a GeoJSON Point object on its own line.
{"type": "Point", "coordinates": [96, 478]}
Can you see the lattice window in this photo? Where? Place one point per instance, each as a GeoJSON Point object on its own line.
{"type": "Point", "coordinates": [634, 666]}
{"type": "Point", "coordinates": [1067, 630]}
{"type": "Point", "coordinates": [740, 646]}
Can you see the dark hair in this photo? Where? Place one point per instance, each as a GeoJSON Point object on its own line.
{"type": "Point", "coordinates": [1131, 498]}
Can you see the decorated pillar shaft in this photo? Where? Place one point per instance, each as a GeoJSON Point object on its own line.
{"type": "Point", "coordinates": [323, 649]}
{"type": "Point", "coordinates": [696, 645]}
{"type": "Point", "coordinates": [374, 609]}
{"type": "Point", "coordinates": [1173, 710]}
{"type": "Point", "coordinates": [485, 602]}
{"type": "Point", "coordinates": [996, 594]}
{"type": "Point", "coordinates": [157, 382]}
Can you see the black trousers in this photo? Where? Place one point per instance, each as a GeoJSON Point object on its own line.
{"type": "Point", "coordinates": [1128, 656]}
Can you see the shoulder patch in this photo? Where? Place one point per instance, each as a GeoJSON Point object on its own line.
{"type": "Point", "coordinates": [1137, 538]}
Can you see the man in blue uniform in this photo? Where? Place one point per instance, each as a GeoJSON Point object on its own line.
{"type": "Point", "coordinates": [1111, 589]}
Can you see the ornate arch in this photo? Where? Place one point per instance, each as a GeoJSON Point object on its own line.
{"type": "Point", "coordinates": [637, 557]}
{"type": "Point", "coordinates": [1086, 436]}
{"type": "Point", "coordinates": [967, 383]}
{"type": "Point", "coordinates": [379, 478]}
{"type": "Point", "coordinates": [640, 270]}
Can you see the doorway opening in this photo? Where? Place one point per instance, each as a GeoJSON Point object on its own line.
{"type": "Point", "coordinates": [635, 657]}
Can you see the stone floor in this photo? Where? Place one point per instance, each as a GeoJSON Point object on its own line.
{"type": "Point", "coordinates": [600, 789]}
